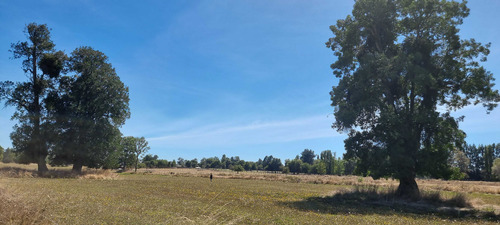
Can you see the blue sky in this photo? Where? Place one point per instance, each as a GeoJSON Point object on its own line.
{"type": "Point", "coordinates": [206, 78]}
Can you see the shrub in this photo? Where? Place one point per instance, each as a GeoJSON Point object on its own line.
{"type": "Point", "coordinates": [456, 174]}
{"type": "Point", "coordinates": [495, 170]}
{"type": "Point", "coordinates": [238, 168]}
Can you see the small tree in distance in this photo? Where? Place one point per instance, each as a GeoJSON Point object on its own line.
{"type": "Point", "coordinates": [238, 168]}
{"type": "Point", "coordinates": [496, 169]}
{"type": "Point", "coordinates": [133, 149]}
{"type": "Point", "coordinates": [141, 147]}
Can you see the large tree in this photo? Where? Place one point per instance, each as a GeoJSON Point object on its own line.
{"type": "Point", "coordinates": [42, 65]}
{"type": "Point", "coordinates": [89, 108]}
{"type": "Point", "coordinates": [398, 60]}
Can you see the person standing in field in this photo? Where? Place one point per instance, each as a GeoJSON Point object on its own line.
{"type": "Point", "coordinates": [211, 176]}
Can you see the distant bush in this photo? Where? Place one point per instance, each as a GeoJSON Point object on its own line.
{"type": "Point", "coordinates": [456, 174]}
{"type": "Point", "coordinates": [238, 168]}
{"type": "Point", "coordinates": [305, 168]}
{"type": "Point", "coordinates": [8, 156]}
{"type": "Point", "coordinates": [495, 170]}
{"type": "Point", "coordinates": [294, 165]}
{"type": "Point", "coordinates": [318, 168]}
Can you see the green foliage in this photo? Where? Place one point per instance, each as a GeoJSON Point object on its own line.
{"type": "Point", "coordinates": [329, 160]}
{"type": "Point", "coordinates": [307, 156]}
{"type": "Point", "coordinates": [459, 160]}
{"type": "Point", "coordinates": [127, 152]}
{"type": "Point", "coordinates": [248, 166]}
{"type": "Point", "coordinates": [32, 134]}
{"type": "Point", "coordinates": [397, 60]}
{"type": "Point", "coordinates": [112, 161]}
{"type": "Point", "coordinates": [141, 147]}
{"type": "Point", "coordinates": [132, 149]}
{"type": "Point", "coordinates": [9, 156]}
{"type": "Point", "coordinates": [162, 163]}
{"type": "Point", "coordinates": [212, 162]}
{"type": "Point", "coordinates": [306, 168]}
{"type": "Point", "coordinates": [294, 166]}
{"type": "Point", "coordinates": [150, 161]}
{"type": "Point", "coordinates": [488, 161]}
{"type": "Point", "coordinates": [456, 174]}
{"type": "Point", "coordinates": [318, 168]}
{"type": "Point", "coordinates": [238, 168]}
{"type": "Point", "coordinates": [88, 108]}
{"type": "Point", "coordinates": [192, 163]}
{"type": "Point", "coordinates": [272, 164]}
{"type": "Point", "coordinates": [286, 170]}
{"type": "Point", "coordinates": [495, 170]}
{"type": "Point", "coordinates": [481, 160]}
{"type": "Point", "coordinates": [1, 153]}
{"type": "Point", "coordinates": [476, 165]}
{"type": "Point", "coordinates": [349, 167]}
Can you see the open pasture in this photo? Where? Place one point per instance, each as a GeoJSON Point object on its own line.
{"type": "Point", "coordinates": [186, 196]}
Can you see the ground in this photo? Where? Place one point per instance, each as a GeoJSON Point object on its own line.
{"type": "Point", "coordinates": [186, 196]}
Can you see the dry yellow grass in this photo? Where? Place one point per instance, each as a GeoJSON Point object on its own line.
{"type": "Point", "coordinates": [461, 186]}
{"type": "Point", "coordinates": [16, 210]}
{"type": "Point", "coordinates": [29, 171]}
{"type": "Point", "coordinates": [424, 184]}
{"type": "Point", "coordinates": [186, 196]}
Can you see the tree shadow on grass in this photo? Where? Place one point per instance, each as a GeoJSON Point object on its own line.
{"type": "Point", "coordinates": [368, 200]}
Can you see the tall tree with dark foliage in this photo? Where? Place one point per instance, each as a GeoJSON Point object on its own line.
{"type": "Point", "coordinates": [90, 106]}
{"type": "Point", "coordinates": [398, 60]}
{"type": "Point", "coordinates": [42, 66]}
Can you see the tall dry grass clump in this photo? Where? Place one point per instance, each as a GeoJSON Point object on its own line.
{"type": "Point", "coordinates": [460, 186]}
{"type": "Point", "coordinates": [21, 172]}
{"type": "Point", "coordinates": [98, 174]}
{"type": "Point", "coordinates": [14, 210]}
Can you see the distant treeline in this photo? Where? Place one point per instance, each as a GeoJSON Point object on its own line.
{"type": "Point", "coordinates": [307, 163]}
{"type": "Point", "coordinates": [474, 163]}
{"type": "Point", "coordinates": [480, 162]}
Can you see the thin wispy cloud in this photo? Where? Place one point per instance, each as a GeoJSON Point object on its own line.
{"type": "Point", "coordinates": [224, 135]}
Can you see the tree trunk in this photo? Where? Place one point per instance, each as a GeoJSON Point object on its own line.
{"type": "Point", "coordinates": [136, 161]}
{"type": "Point", "coordinates": [77, 167]}
{"type": "Point", "coordinates": [42, 166]}
{"type": "Point", "coordinates": [408, 188]}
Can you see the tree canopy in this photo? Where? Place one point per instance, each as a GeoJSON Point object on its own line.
{"type": "Point", "coordinates": [72, 119]}
{"type": "Point", "coordinates": [398, 60]}
{"type": "Point", "coordinates": [88, 108]}
{"type": "Point", "coordinates": [42, 65]}
{"type": "Point", "coordinates": [307, 156]}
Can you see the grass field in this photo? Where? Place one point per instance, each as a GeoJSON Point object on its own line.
{"type": "Point", "coordinates": [186, 196]}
